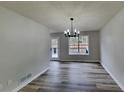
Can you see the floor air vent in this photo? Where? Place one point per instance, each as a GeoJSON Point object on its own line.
{"type": "Point", "coordinates": [25, 78]}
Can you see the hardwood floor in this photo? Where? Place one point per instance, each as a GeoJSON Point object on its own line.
{"type": "Point", "coordinates": [73, 77]}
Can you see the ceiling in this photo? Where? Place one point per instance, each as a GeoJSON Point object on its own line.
{"type": "Point", "coordinates": [88, 15]}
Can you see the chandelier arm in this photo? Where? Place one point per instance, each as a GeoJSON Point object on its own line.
{"type": "Point", "coordinates": [73, 32]}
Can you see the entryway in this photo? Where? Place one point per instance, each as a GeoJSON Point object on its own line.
{"type": "Point", "coordinates": [54, 49]}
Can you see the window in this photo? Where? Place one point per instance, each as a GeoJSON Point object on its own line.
{"type": "Point", "coordinates": [83, 45]}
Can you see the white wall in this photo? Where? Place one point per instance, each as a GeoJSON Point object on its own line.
{"type": "Point", "coordinates": [112, 47]}
{"type": "Point", "coordinates": [24, 48]}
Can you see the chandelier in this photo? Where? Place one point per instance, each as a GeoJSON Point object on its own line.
{"type": "Point", "coordinates": [72, 32]}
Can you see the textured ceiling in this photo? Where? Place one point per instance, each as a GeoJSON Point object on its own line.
{"type": "Point", "coordinates": [55, 15]}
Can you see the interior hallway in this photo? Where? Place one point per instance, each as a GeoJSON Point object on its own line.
{"type": "Point", "coordinates": [73, 77]}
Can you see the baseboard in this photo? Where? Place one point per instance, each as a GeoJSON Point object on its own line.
{"type": "Point", "coordinates": [80, 61]}
{"type": "Point", "coordinates": [54, 60]}
{"type": "Point", "coordinates": [28, 81]}
{"type": "Point", "coordinates": [114, 78]}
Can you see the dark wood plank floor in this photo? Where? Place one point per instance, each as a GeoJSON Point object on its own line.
{"type": "Point", "coordinates": [73, 77]}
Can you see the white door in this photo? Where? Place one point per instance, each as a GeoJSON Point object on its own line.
{"type": "Point", "coordinates": [54, 48]}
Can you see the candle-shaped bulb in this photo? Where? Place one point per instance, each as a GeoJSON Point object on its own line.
{"type": "Point", "coordinates": [78, 32]}
{"type": "Point", "coordinates": [65, 32]}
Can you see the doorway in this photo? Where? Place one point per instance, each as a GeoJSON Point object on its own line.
{"type": "Point", "coordinates": [54, 49]}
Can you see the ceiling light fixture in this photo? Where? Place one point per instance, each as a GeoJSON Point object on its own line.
{"type": "Point", "coordinates": [72, 32]}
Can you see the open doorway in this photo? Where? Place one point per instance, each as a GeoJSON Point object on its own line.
{"type": "Point", "coordinates": [54, 49]}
